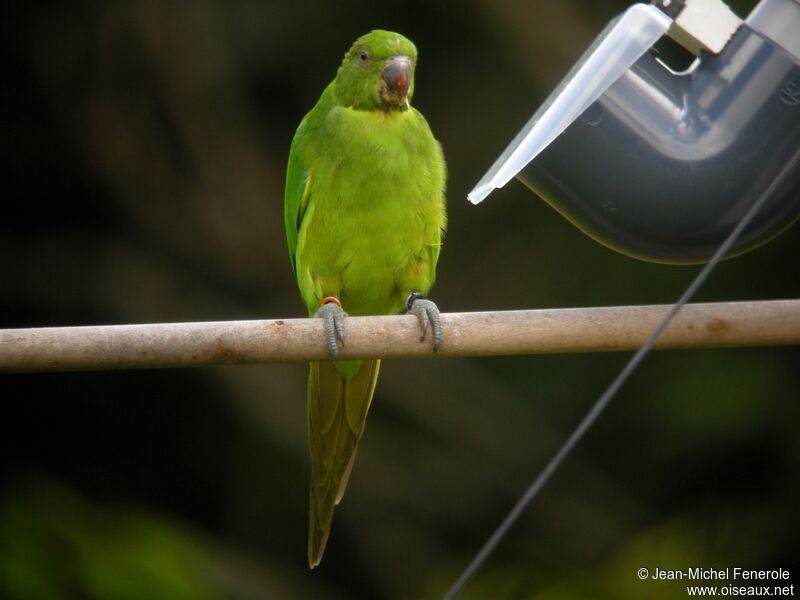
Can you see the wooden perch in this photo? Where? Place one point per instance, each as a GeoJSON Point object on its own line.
{"type": "Point", "coordinates": [606, 329]}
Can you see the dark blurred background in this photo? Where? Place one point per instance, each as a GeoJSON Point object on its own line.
{"type": "Point", "coordinates": [143, 154]}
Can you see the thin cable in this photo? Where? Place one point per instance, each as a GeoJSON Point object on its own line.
{"type": "Point", "coordinates": [602, 402]}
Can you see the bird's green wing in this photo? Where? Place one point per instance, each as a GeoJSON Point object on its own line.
{"type": "Point", "coordinates": [297, 192]}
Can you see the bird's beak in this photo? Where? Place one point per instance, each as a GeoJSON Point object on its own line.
{"type": "Point", "coordinates": [396, 80]}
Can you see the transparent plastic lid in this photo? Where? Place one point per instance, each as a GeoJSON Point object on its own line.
{"type": "Point", "coordinates": [619, 46]}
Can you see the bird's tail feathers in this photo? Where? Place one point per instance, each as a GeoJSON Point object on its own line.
{"type": "Point", "coordinates": [337, 411]}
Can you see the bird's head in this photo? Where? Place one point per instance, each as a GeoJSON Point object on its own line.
{"type": "Point", "coordinates": [377, 73]}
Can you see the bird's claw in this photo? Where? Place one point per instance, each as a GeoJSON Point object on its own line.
{"type": "Point", "coordinates": [427, 314]}
{"type": "Point", "coordinates": [332, 317]}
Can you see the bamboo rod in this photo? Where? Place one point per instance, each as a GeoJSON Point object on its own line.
{"type": "Point", "coordinates": [728, 324]}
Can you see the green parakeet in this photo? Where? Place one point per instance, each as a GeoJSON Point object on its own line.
{"type": "Point", "coordinates": [364, 216]}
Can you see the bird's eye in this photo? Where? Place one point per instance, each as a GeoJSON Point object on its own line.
{"type": "Point", "coordinates": [363, 57]}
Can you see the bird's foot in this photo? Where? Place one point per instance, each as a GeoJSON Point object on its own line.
{"type": "Point", "coordinates": [332, 315]}
{"type": "Point", "coordinates": [428, 315]}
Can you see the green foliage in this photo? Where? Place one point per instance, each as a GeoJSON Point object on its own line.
{"type": "Point", "coordinates": [53, 545]}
